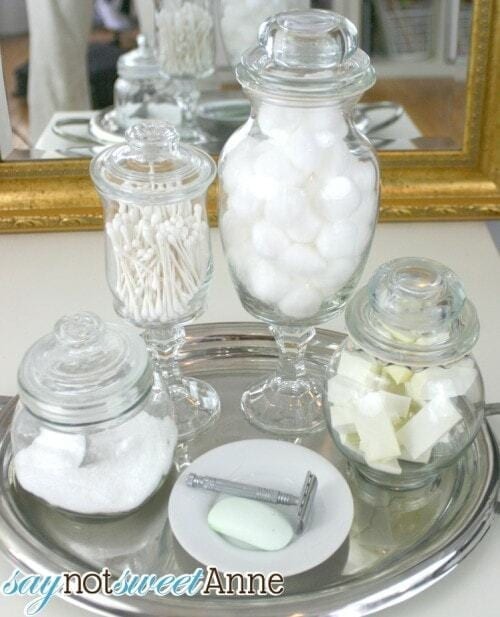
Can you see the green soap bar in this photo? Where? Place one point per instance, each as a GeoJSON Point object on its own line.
{"type": "Point", "coordinates": [252, 522]}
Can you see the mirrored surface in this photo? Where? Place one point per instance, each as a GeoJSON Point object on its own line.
{"type": "Point", "coordinates": [61, 59]}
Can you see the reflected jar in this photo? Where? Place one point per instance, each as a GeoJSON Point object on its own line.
{"type": "Point", "coordinates": [87, 437]}
{"type": "Point", "coordinates": [299, 188]}
{"type": "Point", "coordinates": [405, 395]}
{"type": "Point", "coordinates": [141, 91]}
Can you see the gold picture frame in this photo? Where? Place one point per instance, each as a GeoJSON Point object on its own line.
{"type": "Point", "coordinates": [57, 195]}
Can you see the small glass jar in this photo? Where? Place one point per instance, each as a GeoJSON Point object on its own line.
{"type": "Point", "coordinates": [141, 91]}
{"type": "Point", "coordinates": [405, 396]}
{"type": "Point", "coordinates": [86, 436]}
{"type": "Point", "coordinates": [298, 198]}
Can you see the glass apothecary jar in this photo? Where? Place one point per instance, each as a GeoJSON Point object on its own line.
{"type": "Point", "coordinates": [299, 189]}
{"type": "Point", "coordinates": [141, 91]}
{"type": "Point", "coordinates": [86, 436]}
{"type": "Point", "coordinates": [405, 395]}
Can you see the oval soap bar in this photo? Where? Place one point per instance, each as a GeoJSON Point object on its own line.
{"type": "Point", "coordinates": [252, 522]}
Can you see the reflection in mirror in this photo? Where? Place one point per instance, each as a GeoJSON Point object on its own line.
{"type": "Point", "coordinates": [77, 73]}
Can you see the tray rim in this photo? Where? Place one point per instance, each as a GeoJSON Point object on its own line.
{"type": "Point", "coordinates": [29, 554]}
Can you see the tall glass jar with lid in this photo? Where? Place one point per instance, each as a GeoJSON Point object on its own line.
{"type": "Point", "coordinates": [299, 190]}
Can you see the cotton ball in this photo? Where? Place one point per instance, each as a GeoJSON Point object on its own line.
{"type": "Point", "coordinates": [235, 230]}
{"type": "Point", "coordinates": [335, 160]}
{"type": "Point", "coordinates": [267, 283]}
{"type": "Point", "coordinates": [327, 123]}
{"type": "Point", "coordinates": [364, 175]}
{"type": "Point", "coordinates": [304, 229]}
{"type": "Point", "coordinates": [338, 198]}
{"type": "Point", "coordinates": [364, 219]}
{"type": "Point", "coordinates": [268, 240]}
{"type": "Point", "coordinates": [273, 170]}
{"type": "Point", "coordinates": [304, 301]}
{"type": "Point", "coordinates": [236, 163]}
{"type": "Point", "coordinates": [285, 205]}
{"type": "Point", "coordinates": [301, 259]}
{"type": "Point", "coordinates": [337, 240]}
{"type": "Point", "coordinates": [240, 258]}
{"type": "Point", "coordinates": [274, 120]}
{"type": "Point", "coordinates": [302, 149]}
{"type": "Point", "coordinates": [244, 203]}
{"type": "Point", "coordinates": [336, 276]}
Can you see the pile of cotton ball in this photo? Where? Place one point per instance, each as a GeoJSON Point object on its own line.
{"type": "Point", "coordinates": [299, 209]}
{"type": "Point", "coordinates": [241, 19]}
{"type": "Point", "coordinates": [109, 472]}
{"type": "Point", "coordinates": [162, 257]}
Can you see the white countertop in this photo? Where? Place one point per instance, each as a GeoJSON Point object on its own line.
{"type": "Point", "coordinates": [43, 276]}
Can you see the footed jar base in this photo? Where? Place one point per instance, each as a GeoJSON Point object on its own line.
{"type": "Point", "coordinates": [195, 406]}
{"type": "Point", "coordinates": [284, 407]}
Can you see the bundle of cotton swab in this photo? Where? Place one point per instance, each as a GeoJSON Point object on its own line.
{"type": "Point", "coordinates": [186, 38]}
{"type": "Point", "coordinates": [162, 258]}
{"type": "Point", "coordinates": [300, 208]}
{"type": "Point", "coordinates": [241, 19]}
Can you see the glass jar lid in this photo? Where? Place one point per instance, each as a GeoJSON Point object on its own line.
{"type": "Point", "coordinates": [85, 371]}
{"type": "Point", "coordinates": [413, 311]}
{"type": "Point", "coordinates": [313, 53]}
{"type": "Point", "coordinates": [153, 167]}
{"type": "Point", "coordinates": [140, 63]}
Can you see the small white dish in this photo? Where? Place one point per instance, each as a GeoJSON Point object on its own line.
{"type": "Point", "coordinates": [273, 464]}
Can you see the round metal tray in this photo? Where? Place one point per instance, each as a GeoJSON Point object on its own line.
{"type": "Point", "coordinates": [400, 543]}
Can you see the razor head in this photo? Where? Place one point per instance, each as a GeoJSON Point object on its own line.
{"type": "Point", "coordinates": [306, 501]}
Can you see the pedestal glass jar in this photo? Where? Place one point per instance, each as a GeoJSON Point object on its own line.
{"type": "Point", "coordinates": [158, 254]}
{"type": "Point", "coordinates": [405, 395]}
{"type": "Point", "coordinates": [185, 39]}
{"type": "Point", "coordinates": [87, 437]}
{"type": "Point", "coordinates": [298, 199]}
{"type": "Point", "coordinates": [141, 91]}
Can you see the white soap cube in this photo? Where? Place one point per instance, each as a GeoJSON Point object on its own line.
{"type": "Point", "coordinates": [390, 465]}
{"type": "Point", "coordinates": [434, 381]}
{"type": "Point", "coordinates": [358, 367]}
{"type": "Point", "coordinates": [342, 419]}
{"type": "Point", "coordinates": [343, 391]}
{"type": "Point", "coordinates": [423, 458]}
{"type": "Point", "coordinates": [428, 426]}
{"type": "Point", "coordinates": [374, 427]}
{"type": "Point", "coordinates": [351, 442]}
{"type": "Point", "coordinates": [394, 405]}
{"type": "Point", "coordinates": [398, 374]}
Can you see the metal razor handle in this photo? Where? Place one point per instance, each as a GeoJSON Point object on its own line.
{"type": "Point", "coordinates": [238, 489]}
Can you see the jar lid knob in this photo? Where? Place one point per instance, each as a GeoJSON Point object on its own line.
{"type": "Point", "coordinates": [79, 331]}
{"type": "Point", "coordinates": [153, 140]}
{"type": "Point", "coordinates": [309, 39]}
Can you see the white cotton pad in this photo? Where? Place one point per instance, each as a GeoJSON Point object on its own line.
{"type": "Point", "coordinates": [252, 522]}
{"type": "Point", "coordinates": [377, 435]}
{"type": "Point", "coordinates": [267, 283]}
{"type": "Point", "coordinates": [300, 303]}
{"type": "Point", "coordinates": [305, 228]}
{"type": "Point", "coordinates": [301, 259]}
{"type": "Point", "coordinates": [338, 198]}
{"type": "Point", "coordinates": [336, 240]}
{"type": "Point", "coordinates": [421, 433]}
{"type": "Point", "coordinates": [286, 206]}
{"type": "Point", "coordinates": [268, 240]}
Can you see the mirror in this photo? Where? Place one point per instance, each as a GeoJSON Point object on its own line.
{"type": "Point", "coordinates": [70, 51]}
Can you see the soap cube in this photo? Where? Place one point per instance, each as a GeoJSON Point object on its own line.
{"type": "Point", "coordinates": [374, 427]}
{"type": "Point", "coordinates": [342, 418]}
{"type": "Point", "coordinates": [351, 442]}
{"type": "Point", "coordinates": [450, 382]}
{"type": "Point", "coordinates": [358, 367]}
{"type": "Point", "coordinates": [389, 465]}
{"type": "Point", "coordinates": [398, 374]}
{"type": "Point", "coordinates": [423, 458]}
{"type": "Point", "coordinates": [428, 426]}
{"type": "Point", "coordinates": [344, 391]}
{"type": "Point", "coordinates": [394, 405]}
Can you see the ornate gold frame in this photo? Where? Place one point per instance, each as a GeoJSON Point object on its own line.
{"type": "Point", "coordinates": [421, 185]}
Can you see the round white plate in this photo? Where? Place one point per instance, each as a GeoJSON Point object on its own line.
{"type": "Point", "coordinates": [273, 464]}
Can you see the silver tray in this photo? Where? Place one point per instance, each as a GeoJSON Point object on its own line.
{"type": "Point", "coordinates": [400, 543]}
